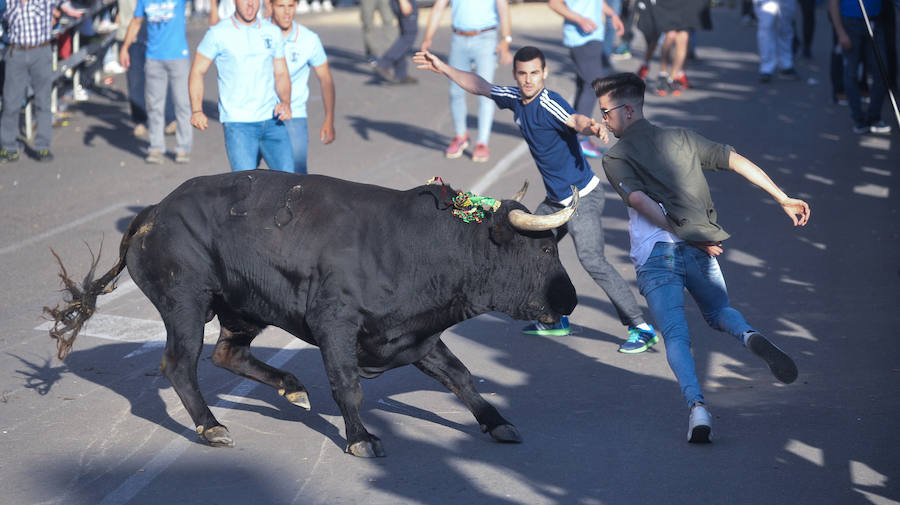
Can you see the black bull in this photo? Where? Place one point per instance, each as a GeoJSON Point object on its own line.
{"type": "Point", "coordinates": [370, 275]}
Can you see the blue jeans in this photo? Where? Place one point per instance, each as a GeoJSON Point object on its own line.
{"type": "Point", "coordinates": [464, 52]}
{"type": "Point", "coordinates": [662, 279]}
{"type": "Point", "coordinates": [245, 142]}
{"type": "Point", "coordinates": [862, 52]}
{"type": "Point", "coordinates": [298, 132]}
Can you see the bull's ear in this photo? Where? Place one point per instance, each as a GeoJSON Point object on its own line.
{"type": "Point", "coordinates": [501, 230]}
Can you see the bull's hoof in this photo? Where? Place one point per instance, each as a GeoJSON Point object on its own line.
{"type": "Point", "coordinates": [506, 433]}
{"type": "Point", "coordinates": [217, 436]}
{"type": "Point", "coordinates": [367, 449]}
{"type": "Point", "coordinates": [298, 398]}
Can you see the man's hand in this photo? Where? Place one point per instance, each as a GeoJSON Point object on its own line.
{"type": "Point", "coordinates": [618, 25]}
{"type": "Point", "coordinates": [327, 133]}
{"type": "Point", "coordinates": [199, 120]}
{"type": "Point", "coordinates": [600, 131]}
{"type": "Point", "coordinates": [283, 111]}
{"type": "Point", "coordinates": [797, 210]}
{"type": "Point", "coordinates": [405, 7]}
{"type": "Point", "coordinates": [124, 57]}
{"type": "Point", "coordinates": [506, 56]}
{"type": "Point", "coordinates": [587, 24]}
{"type": "Point", "coordinates": [710, 248]}
{"type": "Point", "coordinates": [427, 61]}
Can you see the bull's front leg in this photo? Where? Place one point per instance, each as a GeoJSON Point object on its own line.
{"type": "Point", "coordinates": [339, 355]}
{"type": "Point", "coordinates": [444, 366]}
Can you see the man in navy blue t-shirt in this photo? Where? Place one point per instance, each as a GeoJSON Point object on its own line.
{"type": "Point", "coordinates": [550, 127]}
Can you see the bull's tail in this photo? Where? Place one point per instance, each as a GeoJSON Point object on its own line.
{"type": "Point", "coordinates": [79, 305]}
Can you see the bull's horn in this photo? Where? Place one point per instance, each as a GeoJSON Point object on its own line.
{"type": "Point", "coordinates": [522, 220]}
{"type": "Point", "coordinates": [521, 193]}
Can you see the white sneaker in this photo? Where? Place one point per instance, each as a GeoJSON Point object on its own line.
{"type": "Point", "coordinates": [699, 425]}
{"type": "Point", "coordinates": [316, 6]}
{"type": "Point", "coordinates": [327, 6]}
{"type": "Point", "coordinates": [113, 67]}
{"type": "Point", "coordinates": [79, 94]}
{"type": "Point", "coordinates": [303, 7]}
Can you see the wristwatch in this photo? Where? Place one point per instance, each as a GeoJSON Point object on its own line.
{"type": "Point", "coordinates": [508, 39]}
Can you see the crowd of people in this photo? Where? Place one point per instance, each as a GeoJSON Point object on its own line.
{"type": "Point", "coordinates": [264, 58]}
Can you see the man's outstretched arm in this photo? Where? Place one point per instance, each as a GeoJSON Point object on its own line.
{"type": "Point", "coordinates": [797, 210]}
{"type": "Point", "coordinates": [468, 81]}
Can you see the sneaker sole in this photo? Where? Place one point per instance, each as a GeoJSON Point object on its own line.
{"type": "Point", "coordinates": [457, 154]}
{"type": "Point", "coordinates": [480, 159]}
{"type": "Point", "coordinates": [700, 435]}
{"type": "Point", "coordinates": [548, 333]}
{"type": "Point", "coordinates": [782, 366]}
{"type": "Point", "coordinates": [637, 350]}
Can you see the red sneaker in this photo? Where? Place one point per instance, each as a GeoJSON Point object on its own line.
{"type": "Point", "coordinates": [456, 148]}
{"type": "Point", "coordinates": [682, 80]}
{"type": "Point", "coordinates": [642, 72]}
{"type": "Point", "coordinates": [481, 153]}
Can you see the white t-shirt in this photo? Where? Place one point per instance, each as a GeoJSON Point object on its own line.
{"type": "Point", "coordinates": [644, 235]}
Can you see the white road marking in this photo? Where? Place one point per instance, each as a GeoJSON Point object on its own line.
{"type": "Point", "coordinates": [63, 228]}
{"type": "Point", "coordinates": [499, 169]}
{"type": "Point", "coordinates": [174, 449]}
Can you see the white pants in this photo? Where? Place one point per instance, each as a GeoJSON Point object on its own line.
{"type": "Point", "coordinates": [775, 34]}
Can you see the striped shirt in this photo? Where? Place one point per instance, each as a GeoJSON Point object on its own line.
{"type": "Point", "coordinates": [30, 24]}
{"type": "Point", "coordinates": [554, 146]}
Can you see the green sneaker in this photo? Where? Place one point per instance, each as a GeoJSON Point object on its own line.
{"type": "Point", "coordinates": [559, 329]}
{"type": "Point", "coordinates": [639, 340]}
{"type": "Point", "coordinates": [7, 156]}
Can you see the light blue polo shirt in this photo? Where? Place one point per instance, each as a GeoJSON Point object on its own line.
{"type": "Point", "coordinates": [573, 35]}
{"type": "Point", "coordinates": [166, 39]}
{"type": "Point", "coordinates": [469, 15]}
{"type": "Point", "coordinates": [243, 56]}
{"type": "Point", "coordinates": [302, 49]}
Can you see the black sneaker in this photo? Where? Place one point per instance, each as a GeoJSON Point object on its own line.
{"type": "Point", "coordinates": [44, 156]}
{"type": "Point", "coordinates": [860, 128]}
{"type": "Point", "coordinates": [782, 366]}
{"type": "Point", "coordinates": [765, 78]}
{"type": "Point", "coordinates": [788, 74]}
{"type": "Point", "coordinates": [7, 156]}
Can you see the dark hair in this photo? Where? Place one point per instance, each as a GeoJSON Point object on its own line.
{"type": "Point", "coordinates": [627, 86]}
{"type": "Point", "coordinates": [529, 53]}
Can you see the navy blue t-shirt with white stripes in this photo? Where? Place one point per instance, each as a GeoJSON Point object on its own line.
{"type": "Point", "coordinates": [554, 146]}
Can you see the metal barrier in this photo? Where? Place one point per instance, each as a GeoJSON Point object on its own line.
{"type": "Point", "coordinates": [70, 68]}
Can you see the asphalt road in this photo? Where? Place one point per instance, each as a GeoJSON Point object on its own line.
{"type": "Point", "coordinates": [599, 427]}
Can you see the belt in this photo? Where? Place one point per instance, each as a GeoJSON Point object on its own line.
{"type": "Point", "coordinates": [20, 46]}
{"type": "Point", "coordinates": [472, 33]}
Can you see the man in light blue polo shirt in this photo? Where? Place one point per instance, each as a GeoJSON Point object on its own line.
{"type": "Point", "coordinates": [302, 50]}
{"type": "Point", "coordinates": [584, 34]}
{"type": "Point", "coordinates": [254, 88]}
{"type": "Point", "coordinates": [166, 67]}
{"type": "Point", "coordinates": [475, 41]}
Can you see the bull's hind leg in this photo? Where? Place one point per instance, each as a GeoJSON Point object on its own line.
{"type": "Point", "coordinates": [444, 366]}
{"type": "Point", "coordinates": [184, 343]}
{"type": "Point", "coordinates": [233, 353]}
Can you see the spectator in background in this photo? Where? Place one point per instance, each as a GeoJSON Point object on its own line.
{"type": "Point", "coordinates": [585, 33]}
{"type": "Point", "coordinates": [224, 9]}
{"type": "Point", "coordinates": [166, 68]}
{"type": "Point", "coordinates": [305, 6]}
{"type": "Point", "coordinates": [856, 47]}
{"type": "Point", "coordinates": [134, 74]}
{"type": "Point", "coordinates": [475, 41]}
{"type": "Point", "coordinates": [254, 88]}
{"type": "Point", "coordinates": [303, 50]}
{"type": "Point", "coordinates": [808, 16]}
{"type": "Point", "coordinates": [376, 40]}
{"type": "Point", "coordinates": [392, 66]}
{"type": "Point", "coordinates": [775, 36]}
{"type": "Point", "coordinates": [29, 62]}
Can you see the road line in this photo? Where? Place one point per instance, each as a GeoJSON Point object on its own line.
{"type": "Point", "coordinates": [66, 227]}
{"type": "Point", "coordinates": [500, 168]}
{"type": "Point", "coordinates": [174, 449]}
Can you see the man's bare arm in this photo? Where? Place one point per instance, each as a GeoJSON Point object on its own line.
{"type": "Point", "coordinates": [469, 81]}
{"type": "Point", "coordinates": [195, 90]}
{"type": "Point", "coordinates": [326, 82]}
{"type": "Point", "coordinates": [797, 210]}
